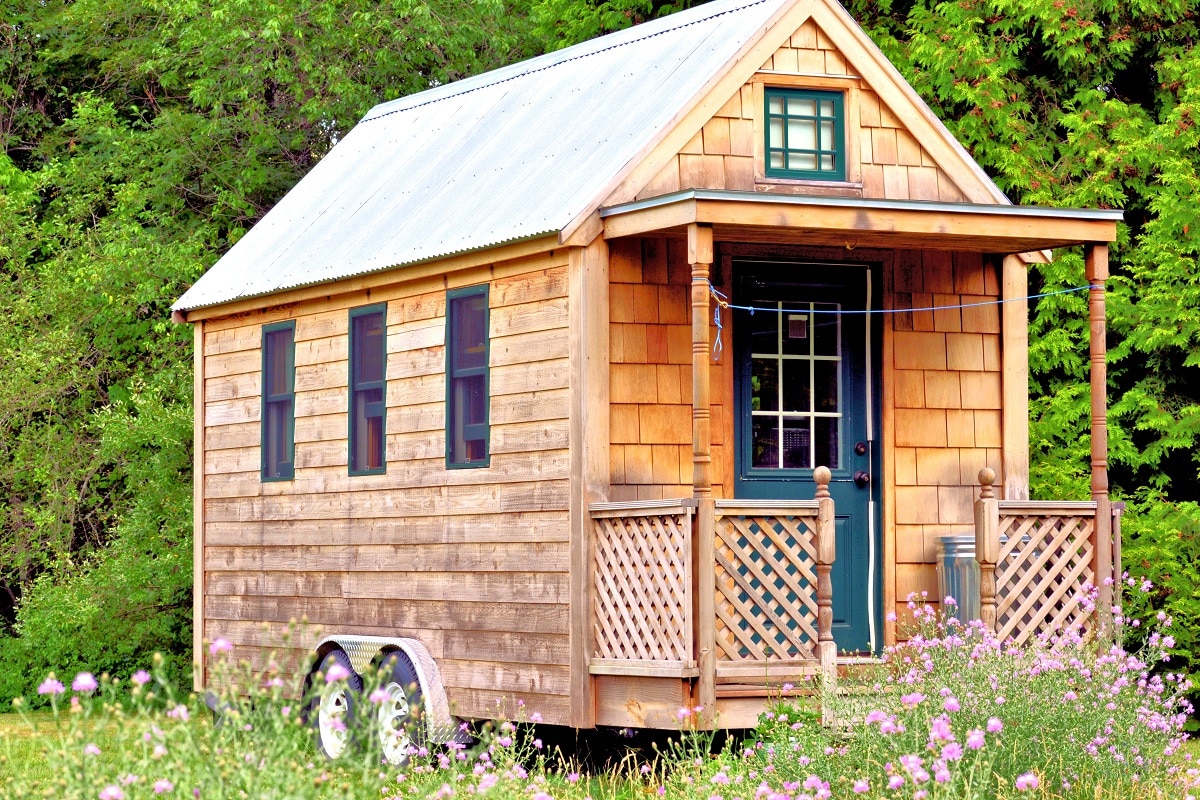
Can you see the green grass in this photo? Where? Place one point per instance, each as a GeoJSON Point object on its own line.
{"type": "Point", "coordinates": [27, 740]}
{"type": "Point", "coordinates": [1192, 746]}
{"type": "Point", "coordinates": [21, 748]}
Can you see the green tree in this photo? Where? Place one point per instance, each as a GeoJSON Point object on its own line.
{"type": "Point", "coordinates": [141, 141]}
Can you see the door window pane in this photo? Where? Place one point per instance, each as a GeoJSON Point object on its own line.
{"type": "Point", "coordinates": [764, 445]}
{"type": "Point", "coordinates": [764, 385]}
{"type": "Point", "coordinates": [797, 443]}
{"type": "Point", "coordinates": [826, 327]}
{"type": "Point", "coordinates": [825, 379]}
{"type": "Point", "coordinates": [826, 442]}
{"type": "Point", "coordinates": [795, 385]}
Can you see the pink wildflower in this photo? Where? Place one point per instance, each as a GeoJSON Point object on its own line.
{"type": "Point", "coordinates": [85, 682]}
{"type": "Point", "coordinates": [951, 704]}
{"type": "Point", "coordinates": [975, 739]}
{"type": "Point", "coordinates": [1026, 781]}
{"type": "Point", "coordinates": [141, 677]}
{"type": "Point", "coordinates": [861, 786]}
{"type": "Point", "coordinates": [994, 725]}
{"type": "Point", "coordinates": [220, 645]}
{"type": "Point", "coordinates": [91, 749]}
{"type": "Point", "coordinates": [336, 672]}
{"type": "Point", "coordinates": [162, 786]}
{"type": "Point", "coordinates": [51, 686]}
{"type": "Point", "coordinates": [112, 792]}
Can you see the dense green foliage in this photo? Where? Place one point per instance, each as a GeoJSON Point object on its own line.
{"type": "Point", "coordinates": [140, 141]}
{"type": "Point", "coordinates": [142, 138]}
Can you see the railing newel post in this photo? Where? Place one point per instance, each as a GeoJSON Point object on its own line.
{"type": "Point", "coordinates": [987, 546]}
{"type": "Point", "coordinates": [826, 554]}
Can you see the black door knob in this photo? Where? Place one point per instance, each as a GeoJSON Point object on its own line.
{"type": "Point", "coordinates": [862, 478]}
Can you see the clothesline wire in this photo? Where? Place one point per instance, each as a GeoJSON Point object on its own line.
{"type": "Point", "coordinates": [723, 302]}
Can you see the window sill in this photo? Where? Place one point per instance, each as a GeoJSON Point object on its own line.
{"type": "Point", "coordinates": [808, 186]}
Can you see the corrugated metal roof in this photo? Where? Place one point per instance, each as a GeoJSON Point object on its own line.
{"type": "Point", "coordinates": [511, 154]}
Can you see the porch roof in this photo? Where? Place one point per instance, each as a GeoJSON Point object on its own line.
{"type": "Point", "coordinates": [853, 222]}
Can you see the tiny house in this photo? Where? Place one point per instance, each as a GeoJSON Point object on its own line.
{"type": "Point", "coordinates": [639, 375]}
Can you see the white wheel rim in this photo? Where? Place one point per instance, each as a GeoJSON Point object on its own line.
{"type": "Point", "coordinates": [393, 724]}
{"type": "Point", "coordinates": [331, 720]}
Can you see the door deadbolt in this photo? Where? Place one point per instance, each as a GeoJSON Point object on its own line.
{"type": "Point", "coordinates": [861, 448]}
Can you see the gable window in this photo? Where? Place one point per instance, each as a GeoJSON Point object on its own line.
{"type": "Point", "coordinates": [368, 388]}
{"type": "Point", "coordinates": [805, 134]}
{"type": "Point", "coordinates": [467, 377]}
{"type": "Point", "coordinates": [278, 400]}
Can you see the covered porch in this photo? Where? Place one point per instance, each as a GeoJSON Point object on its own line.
{"type": "Point", "coordinates": [718, 600]}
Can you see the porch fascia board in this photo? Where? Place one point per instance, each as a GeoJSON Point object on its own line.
{"type": "Point", "coordinates": [853, 222]}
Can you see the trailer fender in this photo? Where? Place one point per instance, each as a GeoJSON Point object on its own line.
{"type": "Point", "coordinates": [365, 652]}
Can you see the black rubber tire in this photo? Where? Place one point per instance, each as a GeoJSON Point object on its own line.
{"type": "Point", "coordinates": [398, 719]}
{"type": "Point", "coordinates": [334, 702]}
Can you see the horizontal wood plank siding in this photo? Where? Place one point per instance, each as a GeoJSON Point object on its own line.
{"type": "Point", "coordinates": [473, 562]}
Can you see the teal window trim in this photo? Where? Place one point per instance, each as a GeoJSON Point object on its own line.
{"type": "Point", "coordinates": [805, 134]}
{"type": "Point", "coordinates": [468, 391]}
{"type": "Point", "coordinates": [278, 422]}
{"type": "Point", "coordinates": [367, 426]}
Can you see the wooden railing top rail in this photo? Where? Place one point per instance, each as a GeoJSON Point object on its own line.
{"type": "Point", "coordinates": [768, 505]}
{"type": "Point", "coordinates": [642, 507]}
{"type": "Point", "coordinates": [1079, 508]}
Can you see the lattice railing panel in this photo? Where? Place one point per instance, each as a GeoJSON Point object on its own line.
{"type": "Point", "coordinates": [642, 582]}
{"type": "Point", "coordinates": [1045, 561]}
{"type": "Point", "coordinates": [766, 592]}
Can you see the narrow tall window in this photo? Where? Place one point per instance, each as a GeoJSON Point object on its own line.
{"type": "Point", "coordinates": [467, 377]}
{"type": "Point", "coordinates": [805, 134]}
{"type": "Point", "coordinates": [278, 401]}
{"type": "Point", "coordinates": [368, 388]}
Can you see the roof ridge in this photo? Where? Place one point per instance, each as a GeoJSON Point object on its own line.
{"type": "Point", "coordinates": [659, 31]}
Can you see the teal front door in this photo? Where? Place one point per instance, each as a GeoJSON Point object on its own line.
{"type": "Point", "coordinates": [805, 396]}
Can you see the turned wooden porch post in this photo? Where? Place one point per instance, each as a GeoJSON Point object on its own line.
{"type": "Point", "coordinates": [700, 257]}
{"type": "Point", "coordinates": [826, 555]}
{"type": "Point", "coordinates": [1096, 270]}
{"type": "Point", "coordinates": [987, 546]}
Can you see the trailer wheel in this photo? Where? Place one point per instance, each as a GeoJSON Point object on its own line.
{"type": "Point", "coordinates": [398, 718]}
{"type": "Point", "coordinates": [333, 706]}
